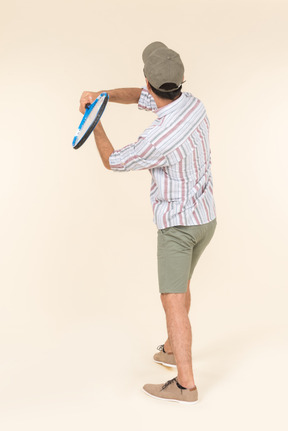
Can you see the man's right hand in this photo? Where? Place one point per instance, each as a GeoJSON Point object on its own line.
{"type": "Point", "coordinates": [87, 97]}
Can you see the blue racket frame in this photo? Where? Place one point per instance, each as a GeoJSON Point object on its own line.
{"type": "Point", "coordinates": [89, 108]}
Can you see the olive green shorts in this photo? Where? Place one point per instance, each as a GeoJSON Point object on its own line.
{"type": "Point", "coordinates": [178, 251]}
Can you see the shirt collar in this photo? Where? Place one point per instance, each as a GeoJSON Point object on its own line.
{"type": "Point", "coordinates": [171, 107]}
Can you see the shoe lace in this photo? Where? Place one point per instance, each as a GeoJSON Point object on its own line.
{"type": "Point", "coordinates": [161, 347]}
{"type": "Point", "coordinates": [169, 383]}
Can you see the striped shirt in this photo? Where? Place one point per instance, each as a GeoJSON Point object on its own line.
{"type": "Point", "coordinates": [176, 150]}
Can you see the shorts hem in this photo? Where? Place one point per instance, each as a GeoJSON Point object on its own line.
{"type": "Point", "coordinates": [178, 291]}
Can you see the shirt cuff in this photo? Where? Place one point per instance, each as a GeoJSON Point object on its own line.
{"type": "Point", "coordinates": [115, 162]}
{"type": "Point", "coordinates": [146, 101]}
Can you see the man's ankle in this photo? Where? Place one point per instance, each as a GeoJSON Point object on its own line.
{"type": "Point", "coordinates": [186, 384]}
{"type": "Point", "coordinates": [167, 348]}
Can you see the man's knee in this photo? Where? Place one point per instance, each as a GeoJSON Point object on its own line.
{"type": "Point", "coordinates": [171, 301]}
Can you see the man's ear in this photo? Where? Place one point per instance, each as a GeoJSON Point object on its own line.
{"type": "Point", "coordinates": [148, 85]}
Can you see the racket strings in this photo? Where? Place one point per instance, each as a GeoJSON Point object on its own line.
{"type": "Point", "coordinates": [91, 117]}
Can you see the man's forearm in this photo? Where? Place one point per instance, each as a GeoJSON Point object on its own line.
{"type": "Point", "coordinates": [118, 95]}
{"type": "Point", "coordinates": [103, 144]}
{"type": "Point", "coordinates": [124, 95]}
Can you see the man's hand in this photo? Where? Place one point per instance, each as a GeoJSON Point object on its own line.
{"type": "Point", "coordinates": [87, 97]}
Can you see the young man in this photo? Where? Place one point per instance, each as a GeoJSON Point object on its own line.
{"type": "Point", "coordinates": [176, 150]}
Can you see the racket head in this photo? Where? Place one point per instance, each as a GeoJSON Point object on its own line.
{"type": "Point", "coordinates": [90, 119]}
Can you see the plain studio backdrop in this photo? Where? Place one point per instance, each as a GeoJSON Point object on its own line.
{"type": "Point", "coordinates": [80, 309]}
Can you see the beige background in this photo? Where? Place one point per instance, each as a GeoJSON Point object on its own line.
{"type": "Point", "coordinates": [79, 309]}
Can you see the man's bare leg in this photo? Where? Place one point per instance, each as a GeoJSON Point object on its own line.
{"type": "Point", "coordinates": [180, 335]}
{"type": "Point", "coordinates": [167, 345]}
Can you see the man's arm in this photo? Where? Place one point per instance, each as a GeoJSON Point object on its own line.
{"type": "Point", "coordinates": [118, 95]}
{"type": "Point", "coordinates": [103, 144]}
{"type": "Point", "coordinates": [124, 95]}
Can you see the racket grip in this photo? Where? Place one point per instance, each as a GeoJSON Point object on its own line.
{"type": "Point", "coordinates": [87, 106]}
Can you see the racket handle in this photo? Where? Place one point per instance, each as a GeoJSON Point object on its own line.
{"type": "Point", "coordinates": [87, 106]}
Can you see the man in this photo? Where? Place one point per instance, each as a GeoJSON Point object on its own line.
{"type": "Point", "coordinates": [176, 150]}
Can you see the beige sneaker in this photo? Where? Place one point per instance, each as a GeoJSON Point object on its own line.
{"type": "Point", "coordinates": [164, 358]}
{"type": "Point", "coordinates": [172, 391]}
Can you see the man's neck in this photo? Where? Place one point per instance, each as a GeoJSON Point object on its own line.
{"type": "Point", "coordinates": [162, 102]}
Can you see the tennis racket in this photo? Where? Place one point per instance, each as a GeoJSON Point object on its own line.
{"type": "Point", "coordinates": [90, 119]}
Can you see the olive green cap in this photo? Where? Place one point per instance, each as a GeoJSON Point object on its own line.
{"type": "Point", "coordinates": [162, 65]}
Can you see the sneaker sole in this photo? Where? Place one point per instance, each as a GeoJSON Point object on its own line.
{"type": "Point", "coordinates": [170, 399]}
{"type": "Point", "coordinates": [165, 364]}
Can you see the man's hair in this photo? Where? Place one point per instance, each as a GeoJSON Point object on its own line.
{"type": "Point", "coordinates": [171, 95]}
